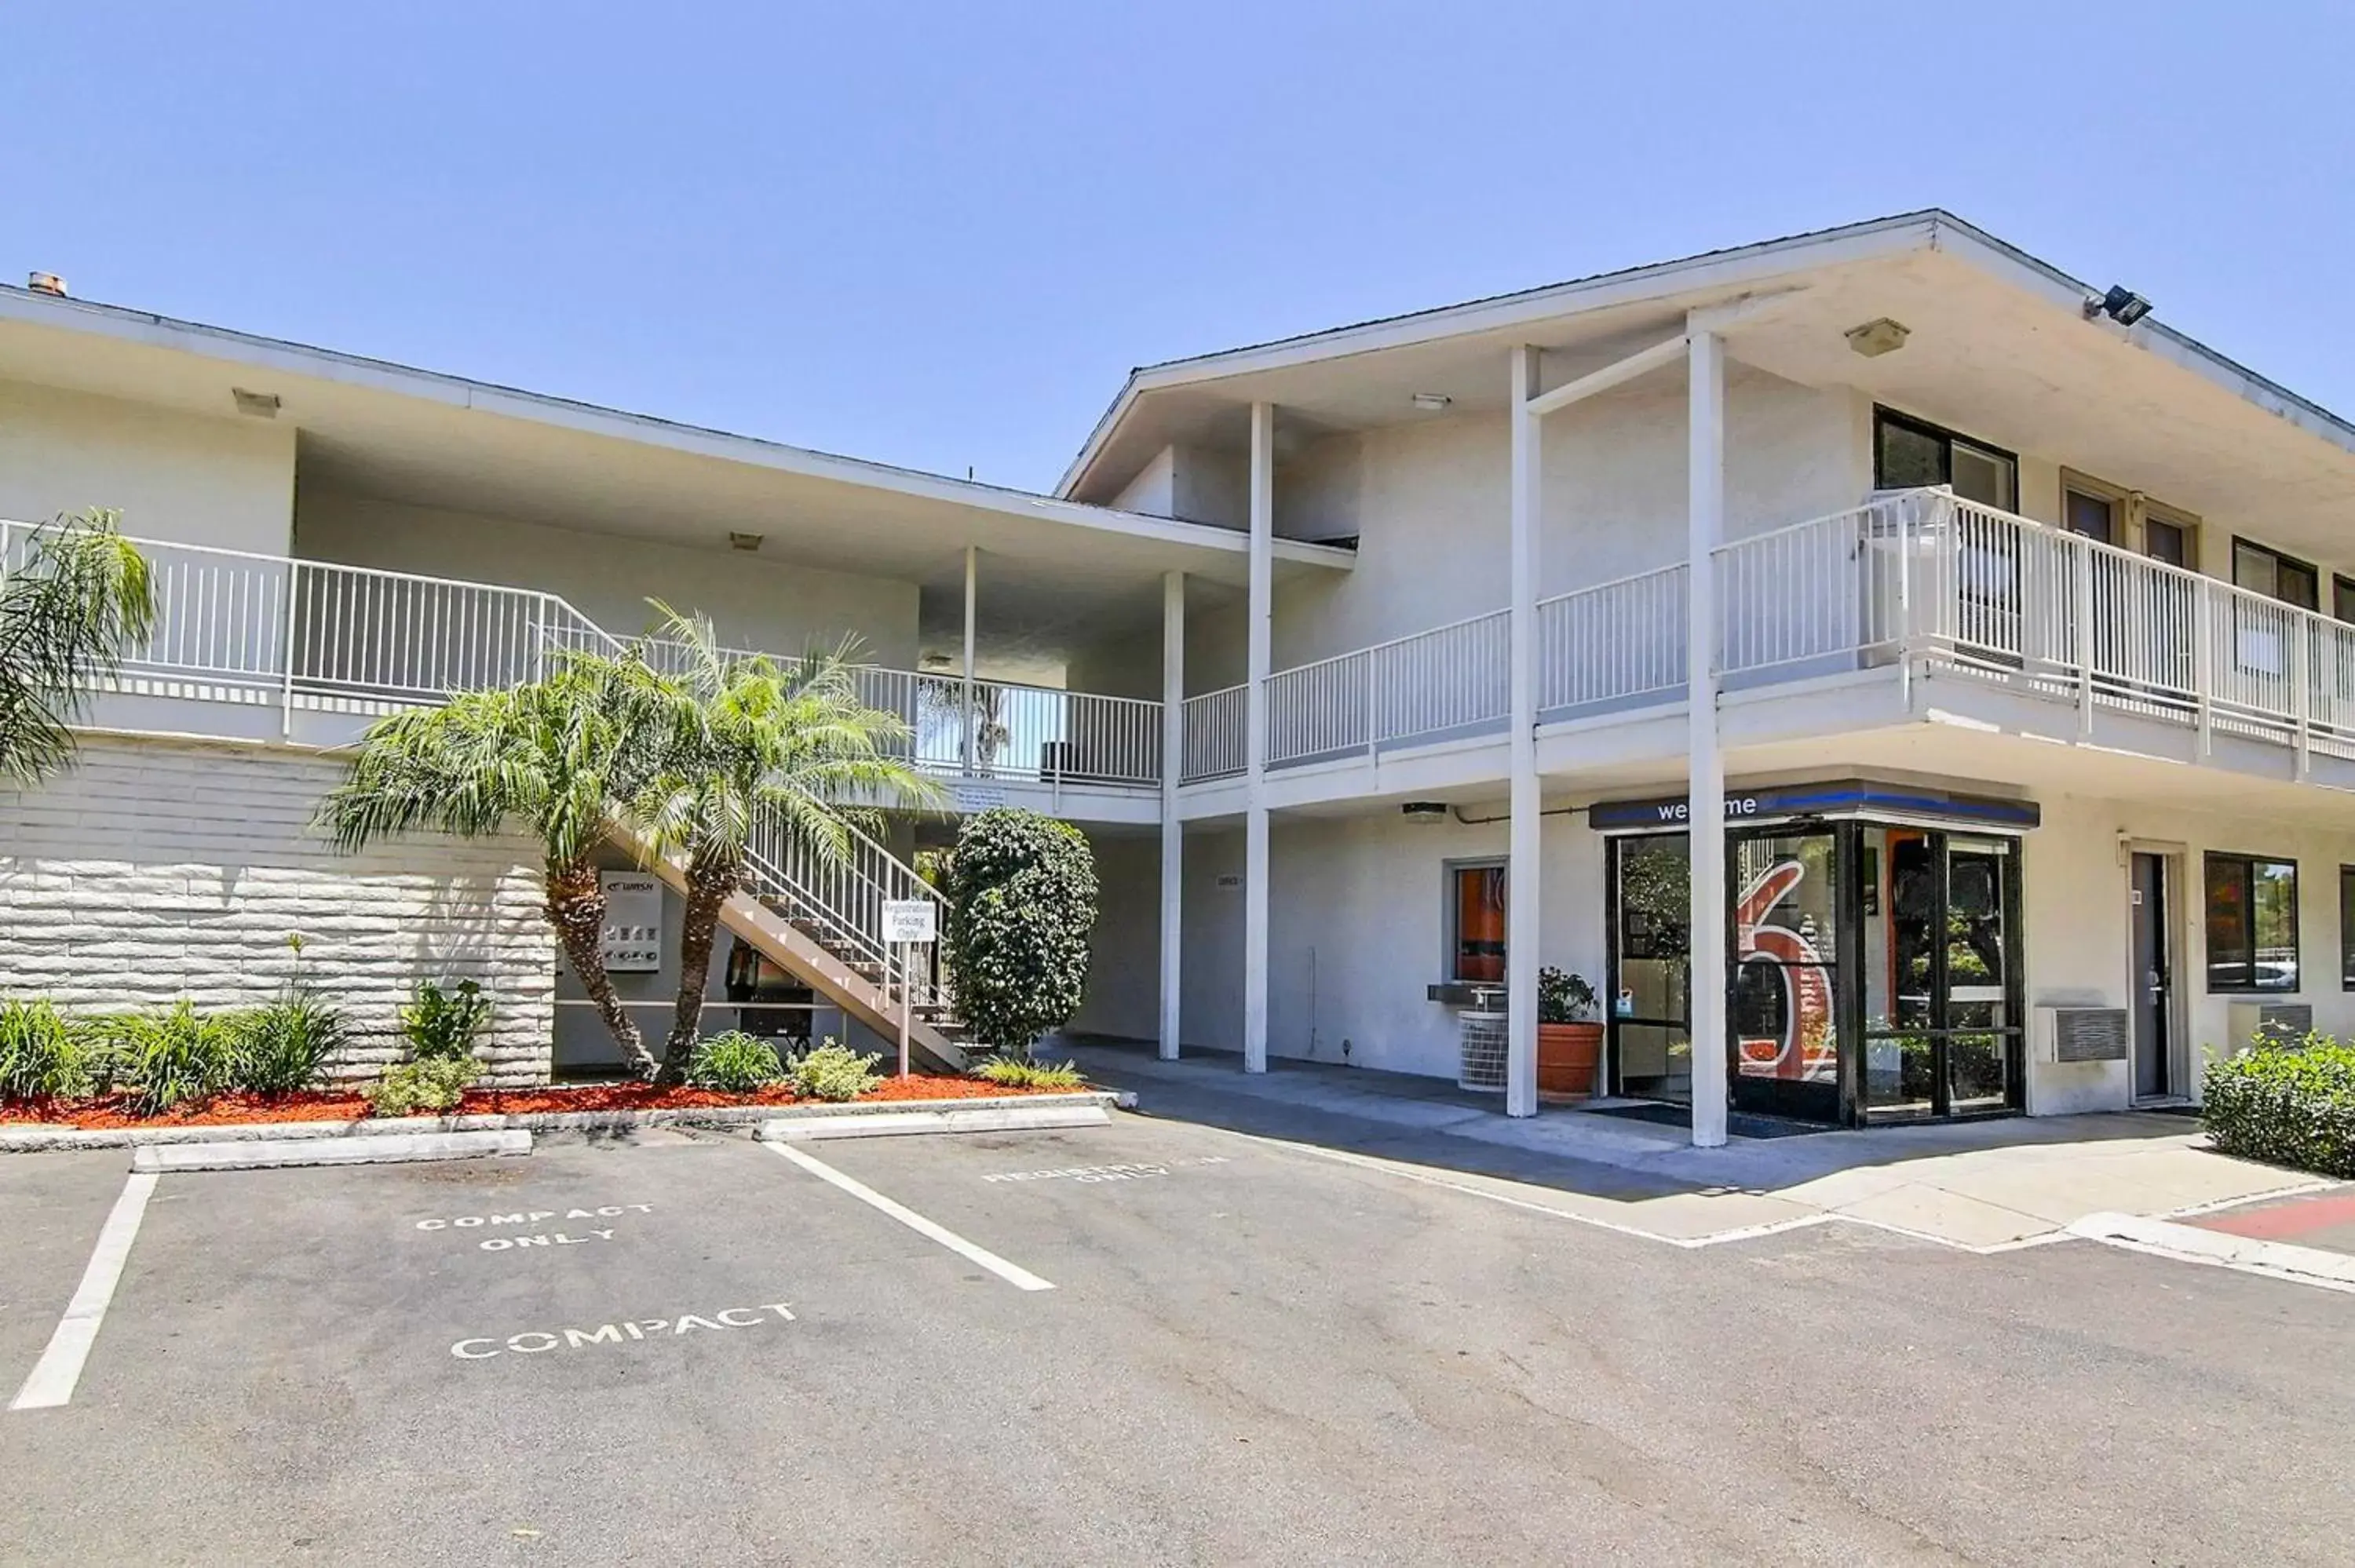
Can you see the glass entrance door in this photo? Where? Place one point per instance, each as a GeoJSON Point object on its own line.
{"type": "Point", "coordinates": [1651, 967]}
{"type": "Point", "coordinates": [1943, 1032]}
{"type": "Point", "coordinates": [1787, 929]}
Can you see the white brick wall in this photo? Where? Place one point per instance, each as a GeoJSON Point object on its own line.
{"type": "Point", "coordinates": [154, 870]}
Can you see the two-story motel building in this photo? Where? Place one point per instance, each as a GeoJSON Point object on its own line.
{"type": "Point", "coordinates": [2000, 624]}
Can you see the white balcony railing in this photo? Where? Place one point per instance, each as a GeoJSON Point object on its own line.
{"type": "Point", "coordinates": [311, 634]}
{"type": "Point", "coordinates": [1913, 580]}
{"type": "Point", "coordinates": [1450, 679]}
{"type": "Point", "coordinates": [1215, 730]}
{"type": "Point", "coordinates": [1617, 644]}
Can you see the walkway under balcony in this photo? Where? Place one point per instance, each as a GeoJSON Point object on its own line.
{"type": "Point", "coordinates": [1915, 607]}
{"type": "Point", "coordinates": [260, 649]}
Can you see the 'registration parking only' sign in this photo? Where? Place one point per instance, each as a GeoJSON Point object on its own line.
{"type": "Point", "coordinates": [908, 920]}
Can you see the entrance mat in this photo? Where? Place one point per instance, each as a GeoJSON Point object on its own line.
{"type": "Point", "coordinates": [1741, 1123]}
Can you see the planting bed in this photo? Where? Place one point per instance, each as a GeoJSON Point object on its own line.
{"type": "Point", "coordinates": [317, 1106]}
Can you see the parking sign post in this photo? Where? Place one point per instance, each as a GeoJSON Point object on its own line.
{"type": "Point", "coordinates": [908, 924]}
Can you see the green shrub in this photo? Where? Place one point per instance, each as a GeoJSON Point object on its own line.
{"type": "Point", "coordinates": [2288, 1104]}
{"type": "Point", "coordinates": [832, 1072]}
{"type": "Point", "coordinates": [734, 1063]}
{"type": "Point", "coordinates": [433, 1084]}
{"type": "Point", "coordinates": [1021, 1072]}
{"type": "Point", "coordinates": [442, 1025]}
{"type": "Point", "coordinates": [282, 1047]}
{"type": "Point", "coordinates": [1022, 904]}
{"type": "Point", "coordinates": [171, 1058]}
{"type": "Point", "coordinates": [44, 1056]}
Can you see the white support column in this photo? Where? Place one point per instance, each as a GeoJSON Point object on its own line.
{"type": "Point", "coordinates": [1261, 646]}
{"type": "Point", "coordinates": [1521, 886]}
{"type": "Point", "coordinates": [1705, 793]}
{"type": "Point", "coordinates": [971, 586]}
{"type": "Point", "coordinates": [1173, 832]}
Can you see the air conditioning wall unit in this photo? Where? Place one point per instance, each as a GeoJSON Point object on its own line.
{"type": "Point", "coordinates": [2251, 1024]}
{"type": "Point", "coordinates": [2087, 1034]}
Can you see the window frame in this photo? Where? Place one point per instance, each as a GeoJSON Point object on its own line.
{"type": "Point", "coordinates": [2346, 929]}
{"type": "Point", "coordinates": [2248, 863]}
{"type": "Point", "coordinates": [1882, 413]}
{"type": "Point", "coordinates": [2280, 559]}
{"type": "Point", "coordinates": [1451, 949]}
{"type": "Point", "coordinates": [2134, 513]}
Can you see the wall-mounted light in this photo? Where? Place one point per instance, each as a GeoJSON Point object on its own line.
{"type": "Point", "coordinates": [1431, 402]}
{"type": "Point", "coordinates": [1425, 811]}
{"type": "Point", "coordinates": [261, 404]}
{"type": "Point", "coordinates": [1878, 336]}
{"type": "Point", "coordinates": [2121, 305]}
{"type": "Point", "coordinates": [747, 542]}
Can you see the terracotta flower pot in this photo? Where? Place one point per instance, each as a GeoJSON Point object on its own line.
{"type": "Point", "coordinates": [1567, 1056]}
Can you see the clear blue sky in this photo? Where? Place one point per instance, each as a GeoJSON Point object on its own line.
{"type": "Point", "coordinates": [939, 235]}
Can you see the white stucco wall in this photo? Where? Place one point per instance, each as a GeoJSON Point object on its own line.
{"type": "Point", "coordinates": [154, 870]}
{"type": "Point", "coordinates": [754, 601]}
{"type": "Point", "coordinates": [228, 482]}
{"type": "Point", "coordinates": [1358, 911]}
{"type": "Point", "coordinates": [1123, 992]}
{"type": "Point", "coordinates": [1153, 492]}
{"type": "Point", "coordinates": [2076, 897]}
{"type": "Point", "coordinates": [1431, 502]}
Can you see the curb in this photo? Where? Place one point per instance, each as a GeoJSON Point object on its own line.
{"type": "Point", "coordinates": [277, 1153]}
{"type": "Point", "coordinates": [32, 1137]}
{"type": "Point", "coordinates": [899, 1123]}
{"type": "Point", "coordinates": [2283, 1260]}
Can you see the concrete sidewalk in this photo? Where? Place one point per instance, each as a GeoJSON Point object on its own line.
{"type": "Point", "coordinates": [1981, 1185]}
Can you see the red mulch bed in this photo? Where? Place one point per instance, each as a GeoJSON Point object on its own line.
{"type": "Point", "coordinates": [226, 1110]}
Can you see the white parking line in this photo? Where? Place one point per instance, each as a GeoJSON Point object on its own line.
{"type": "Point", "coordinates": [1019, 1277]}
{"type": "Point", "coordinates": [52, 1382]}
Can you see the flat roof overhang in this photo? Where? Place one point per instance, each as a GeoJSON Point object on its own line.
{"type": "Point", "coordinates": [2000, 348]}
{"type": "Point", "coordinates": [1053, 571]}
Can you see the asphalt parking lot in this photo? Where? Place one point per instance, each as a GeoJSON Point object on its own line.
{"type": "Point", "coordinates": [1152, 1342]}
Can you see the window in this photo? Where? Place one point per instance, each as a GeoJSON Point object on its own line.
{"type": "Point", "coordinates": [2251, 924]}
{"type": "Point", "coordinates": [1476, 923]}
{"type": "Point", "coordinates": [2342, 599]}
{"type": "Point", "coordinates": [2347, 927]}
{"type": "Point", "coordinates": [2262, 569]}
{"type": "Point", "coordinates": [1908, 453]}
{"type": "Point", "coordinates": [2166, 541]}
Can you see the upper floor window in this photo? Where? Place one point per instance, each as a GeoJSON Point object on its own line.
{"type": "Point", "coordinates": [2260, 569]}
{"type": "Point", "coordinates": [1908, 453]}
{"type": "Point", "coordinates": [2103, 511]}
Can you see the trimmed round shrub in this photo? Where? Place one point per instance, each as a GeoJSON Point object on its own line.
{"type": "Point", "coordinates": [1022, 904]}
{"type": "Point", "coordinates": [2287, 1105]}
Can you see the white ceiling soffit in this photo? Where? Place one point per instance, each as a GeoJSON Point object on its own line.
{"type": "Point", "coordinates": [1354, 377]}
{"type": "Point", "coordinates": [433, 440]}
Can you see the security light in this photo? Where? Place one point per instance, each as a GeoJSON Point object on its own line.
{"type": "Point", "coordinates": [2121, 305]}
{"type": "Point", "coordinates": [1878, 336]}
{"type": "Point", "coordinates": [1431, 402]}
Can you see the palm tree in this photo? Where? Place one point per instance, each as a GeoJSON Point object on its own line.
{"type": "Point", "coordinates": [552, 756]}
{"type": "Point", "coordinates": [748, 745]}
{"type": "Point", "coordinates": [75, 599]}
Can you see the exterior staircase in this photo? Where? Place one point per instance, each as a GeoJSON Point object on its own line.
{"type": "Point", "coordinates": [822, 921]}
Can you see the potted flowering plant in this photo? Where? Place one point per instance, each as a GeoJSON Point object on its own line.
{"type": "Point", "coordinates": [1569, 1038]}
